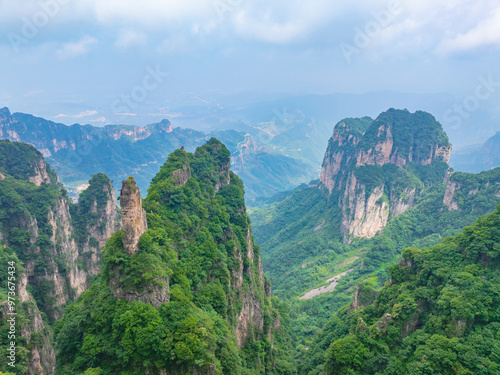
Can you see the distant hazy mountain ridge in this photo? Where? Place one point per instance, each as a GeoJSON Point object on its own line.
{"type": "Point", "coordinates": [79, 151]}
{"type": "Point", "coordinates": [478, 158]}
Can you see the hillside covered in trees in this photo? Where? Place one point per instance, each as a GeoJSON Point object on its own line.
{"type": "Point", "coordinates": [438, 314]}
{"type": "Point", "coordinates": [379, 192]}
{"type": "Point", "coordinates": [188, 294]}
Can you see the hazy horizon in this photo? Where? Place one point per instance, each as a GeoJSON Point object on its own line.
{"type": "Point", "coordinates": [120, 62]}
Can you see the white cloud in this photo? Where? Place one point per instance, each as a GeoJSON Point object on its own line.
{"type": "Point", "coordinates": [128, 38]}
{"type": "Point", "coordinates": [79, 115]}
{"type": "Point", "coordinates": [282, 22]}
{"type": "Point", "coordinates": [74, 49]}
{"type": "Point", "coordinates": [100, 119]}
{"type": "Point", "coordinates": [437, 28]}
{"type": "Point", "coordinates": [149, 12]}
{"type": "Point", "coordinates": [485, 33]}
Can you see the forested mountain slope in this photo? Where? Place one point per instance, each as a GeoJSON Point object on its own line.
{"type": "Point", "coordinates": [438, 314]}
{"type": "Point", "coordinates": [54, 244]}
{"type": "Point", "coordinates": [182, 288]}
{"type": "Point", "coordinates": [379, 192]}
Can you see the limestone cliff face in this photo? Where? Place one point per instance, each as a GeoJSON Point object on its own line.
{"type": "Point", "coordinates": [40, 173]}
{"type": "Point", "coordinates": [449, 194]}
{"type": "Point", "coordinates": [55, 265]}
{"type": "Point", "coordinates": [385, 151]}
{"type": "Point", "coordinates": [99, 215]}
{"type": "Point", "coordinates": [224, 177]}
{"type": "Point", "coordinates": [55, 262]}
{"type": "Point", "coordinates": [181, 176]}
{"type": "Point", "coordinates": [251, 314]}
{"type": "Point", "coordinates": [363, 215]}
{"type": "Point", "coordinates": [368, 167]}
{"type": "Point", "coordinates": [341, 149]}
{"type": "Point", "coordinates": [461, 190]}
{"type": "Point", "coordinates": [134, 225]}
{"type": "Point", "coordinates": [154, 294]}
{"type": "Point", "coordinates": [42, 353]}
{"type": "Point", "coordinates": [134, 216]}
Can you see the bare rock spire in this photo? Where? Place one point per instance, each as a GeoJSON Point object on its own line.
{"type": "Point", "coordinates": [133, 215]}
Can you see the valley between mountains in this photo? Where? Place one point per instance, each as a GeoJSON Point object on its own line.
{"type": "Point", "coordinates": [386, 262]}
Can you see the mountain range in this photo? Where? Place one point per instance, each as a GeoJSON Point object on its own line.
{"type": "Point", "coordinates": [478, 158]}
{"type": "Point", "coordinates": [79, 151]}
{"type": "Point", "coordinates": [386, 263]}
{"type": "Point", "coordinates": [384, 185]}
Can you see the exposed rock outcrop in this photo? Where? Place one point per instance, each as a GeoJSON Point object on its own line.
{"type": "Point", "coordinates": [134, 225]}
{"type": "Point", "coordinates": [449, 194]}
{"type": "Point", "coordinates": [224, 177]}
{"type": "Point", "coordinates": [155, 294]}
{"type": "Point", "coordinates": [251, 314]}
{"type": "Point", "coordinates": [363, 296]}
{"type": "Point", "coordinates": [133, 215]}
{"type": "Point", "coordinates": [363, 215]}
{"type": "Point", "coordinates": [181, 176]}
{"type": "Point", "coordinates": [359, 162]}
{"type": "Point", "coordinates": [98, 214]}
{"type": "Point", "coordinates": [53, 260]}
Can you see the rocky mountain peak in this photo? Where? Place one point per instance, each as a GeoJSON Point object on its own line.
{"type": "Point", "coordinates": [5, 112]}
{"type": "Point", "coordinates": [377, 167]}
{"type": "Point", "coordinates": [399, 137]}
{"type": "Point", "coordinates": [28, 163]}
{"type": "Point", "coordinates": [133, 215]}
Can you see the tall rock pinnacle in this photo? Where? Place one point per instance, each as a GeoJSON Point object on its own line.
{"type": "Point", "coordinates": [133, 215]}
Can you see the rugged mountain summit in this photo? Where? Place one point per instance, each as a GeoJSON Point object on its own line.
{"type": "Point", "coordinates": [184, 294]}
{"type": "Point", "coordinates": [378, 166]}
{"type": "Point", "coordinates": [384, 180]}
{"type": "Point", "coordinates": [55, 241]}
{"type": "Point", "coordinates": [334, 238]}
{"type": "Point", "coordinates": [134, 216]}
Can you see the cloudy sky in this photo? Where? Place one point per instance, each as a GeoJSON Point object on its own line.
{"type": "Point", "coordinates": [68, 59]}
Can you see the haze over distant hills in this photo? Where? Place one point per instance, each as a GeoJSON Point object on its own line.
{"type": "Point", "coordinates": [275, 144]}
{"type": "Point", "coordinates": [209, 111]}
{"type": "Point", "coordinates": [77, 152]}
{"type": "Point", "coordinates": [477, 158]}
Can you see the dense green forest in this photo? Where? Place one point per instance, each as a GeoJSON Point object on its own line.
{"type": "Point", "coordinates": [302, 245]}
{"type": "Point", "coordinates": [418, 297]}
{"type": "Point", "coordinates": [438, 314]}
{"type": "Point", "coordinates": [198, 241]}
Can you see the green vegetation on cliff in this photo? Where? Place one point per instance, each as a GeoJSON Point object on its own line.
{"type": "Point", "coordinates": [437, 315]}
{"type": "Point", "coordinates": [303, 234]}
{"type": "Point", "coordinates": [24, 215]}
{"type": "Point", "coordinates": [198, 256]}
{"type": "Point", "coordinates": [37, 232]}
{"type": "Point", "coordinates": [84, 214]}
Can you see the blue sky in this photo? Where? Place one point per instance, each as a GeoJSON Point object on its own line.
{"type": "Point", "coordinates": [71, 60]}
